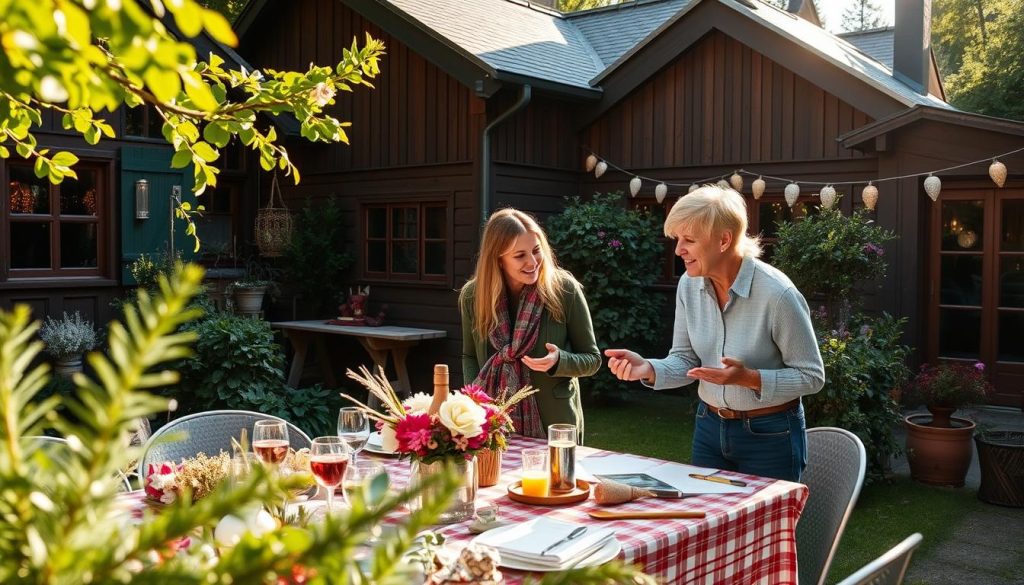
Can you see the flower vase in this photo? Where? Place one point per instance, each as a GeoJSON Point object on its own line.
{"type": "Point", "coordinates": [488, 463]}
{"type": "Point", "coordinates": [463, 507]}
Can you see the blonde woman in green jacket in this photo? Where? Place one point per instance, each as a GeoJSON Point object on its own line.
{"type": "Point", "coordinates": [526, 321]}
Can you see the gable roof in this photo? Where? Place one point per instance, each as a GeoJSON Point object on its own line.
{"type": "Point", "coordinates": [876, 43]}
{"type": "Point", "coordinates": [614, 30]}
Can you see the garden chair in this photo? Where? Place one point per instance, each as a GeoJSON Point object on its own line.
{"type": "Point", "coordinates": [208, 432]}
{"type": "Point", "coordinates": [836, 463]}
{"type": "Point", "coordinates": [887, 569]}
{"type": "Point", "coordinates": [56, 444]}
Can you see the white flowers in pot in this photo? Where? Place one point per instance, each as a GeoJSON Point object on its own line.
{"type": "Point", "coordinates": [66, 340]}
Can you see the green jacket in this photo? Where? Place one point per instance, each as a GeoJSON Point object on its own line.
{"type": "Point", "coordinates": [559, 397]}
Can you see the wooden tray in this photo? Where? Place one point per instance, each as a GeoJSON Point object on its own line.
{"type": "Point", "coordinates": [579, 494]}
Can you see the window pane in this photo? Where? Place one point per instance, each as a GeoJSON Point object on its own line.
{"type": "Point", "coordinates": [28, 193]}
{"type": "Point", "coordinates": [78, 197]}
{"type": "Point", "coordinates": [156, 123]}
{"type": "Point", "coordinates": [1013, 226]}
{"type": "Point", "coordinates": [962, 225]}
{"type": "Point", "coordinates": [134, 121]}
{"type": "Point", "coordinates": [436, 223]}
{"type": "Point", "coordinates": [77, 245]}
{"type": "Point", "coordinates": [960, 280]}
{"type": "Point", "coordinates": [1011, 342]}
{"type": "Point", "coordinates": [376, 222]}
{"type": "Point", "coordinates": [376, 257]}
{"type": "Point", "coordinates": [404, 223]}
{"type": "Point", "coordinates": [1011, 281]}
{"type": "Point", "coordinates": [959, 333]}
{"type": "Point", "coordinates": [770, 213]}
{"type": "Point", "coordinates": [30, 245]}
{"type": "Point", "coordinates": [403, 258]}
{"type": "Point", "coordinates": [434, 258]}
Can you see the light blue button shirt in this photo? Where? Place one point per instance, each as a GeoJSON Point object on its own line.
{"type": "Point", "coordinates": [765, 324]}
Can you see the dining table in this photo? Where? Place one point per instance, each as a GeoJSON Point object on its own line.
{"type": "Point", "coordinates": [747, 538]}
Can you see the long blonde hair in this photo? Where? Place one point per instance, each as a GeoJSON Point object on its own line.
{"type": "Point", "coordinates": [711, 210]}
{"type": "Point", "coordinates": [500, 233]}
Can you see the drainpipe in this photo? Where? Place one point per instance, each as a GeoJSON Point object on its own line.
{"type": "Point", "coordinates": [525, 93]}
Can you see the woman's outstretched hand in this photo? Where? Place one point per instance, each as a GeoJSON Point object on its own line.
{"type": "Point", "coordinates": [733, 372]}
{"type": "Point", "coordinates": [629, 365]}
{"type": "Point", "coordinates": [545, 363]}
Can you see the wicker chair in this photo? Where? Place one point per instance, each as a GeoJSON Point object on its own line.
{"type": "Point", "coordinates": [836, 463]}
{"type": "Point", "coordinates": [888, 569]}
{"type": "Point", "coordinates": [208, 432]}
{"type": "Point", "coordinates": [55, 444]}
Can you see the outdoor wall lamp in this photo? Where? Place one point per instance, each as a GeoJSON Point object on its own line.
{"type": "Point", "coordinates": [142, 199]}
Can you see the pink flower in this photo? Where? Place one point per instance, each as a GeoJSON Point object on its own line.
{"type": "Point", "coordinates": [162, 482]}
{"type": "Point", "coordinates": [979, 366]}
{"type": "Point", "coordinates": [413, 432]}
{"type": "Point", "coordinates": [477, 393]}
{"type": "Point", "coordinates": [615, 244]}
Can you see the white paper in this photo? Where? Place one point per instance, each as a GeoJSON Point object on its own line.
{"type": "Point", "coordinates": [527, 540]}
{"type": "Point", "coordinates": [677, 475]}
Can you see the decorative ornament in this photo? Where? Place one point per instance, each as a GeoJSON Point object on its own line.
{"type": "Point", "coordinates": [758, 187]}
{"type": "Point", "coordinates": [660, 191]}
{"type": "Point", "coordinates": [736, 181]}
{"type": "Point", "coordinates": [634, 186]}
{"type": "Point", "coordinates": [869, 196]}
{"type": "Point", "coordinates": [933, 186]}
{"type": "Point", "coordinates": [600, 168]}
{"type": "Point", "coordinates": [997, 171]}
{"type": "Point", "coordinates": [792, 193]}
{"type": "Point", "coordinates": [724, 184]}
{"type": "Point", "coordinates": [693, 188]}
{"type": "Point", "coordinates": [828, 196]}
{"type": "Point", "coordinates": [966, 239]}
{"type": "Point", "coordinates": [591, 163]}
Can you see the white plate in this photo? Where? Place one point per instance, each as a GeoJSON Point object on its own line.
{"type": "Point", "coordinates": [373, 445]}
{"type": "Point", "coordinates": [609, 551]}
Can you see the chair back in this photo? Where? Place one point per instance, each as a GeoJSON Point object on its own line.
{"type": "Point", "coordinates": [208, 432]}
{"type": "Point", "coordinates": [888, 569]}
{"type": "Point", "coordinates": [54, 445]}
{"type": "Point", "coordinates": [836, 464]}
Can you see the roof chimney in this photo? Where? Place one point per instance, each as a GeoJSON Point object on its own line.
{"type": "Point", "coordinates": [912, 44]}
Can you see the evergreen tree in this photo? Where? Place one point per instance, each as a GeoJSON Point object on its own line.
{"type": "Point", "coordinates": [862, 15]}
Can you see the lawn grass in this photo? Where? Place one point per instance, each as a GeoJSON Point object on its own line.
{"type": "Point", "coordinates": [661, 425]}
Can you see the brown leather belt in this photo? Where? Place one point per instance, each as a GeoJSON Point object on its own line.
{"type": "Point", "coordinates": [730, 414]}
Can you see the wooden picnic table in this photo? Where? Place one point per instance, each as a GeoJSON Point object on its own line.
{"type": "Point", "coordinates": [379, 342]}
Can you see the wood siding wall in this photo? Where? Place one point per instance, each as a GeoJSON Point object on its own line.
{"type": "Point", "coordinates": [544, 134]}
{"type": "Point", "coordinates": [723, 103]}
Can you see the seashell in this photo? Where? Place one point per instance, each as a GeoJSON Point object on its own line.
{"type": "Point", "coordinates": [591, 163]}
{"type": "Point", "coordinates": [736, 181]}
{"type": "Point", "coordinates": [757, 187]}
{"type": "Point", "coordinates": [660, 191]}
{"type": "Point", "coordinates": [933, 186]}
{"type": "Point", "coordinates": [600, 169]}
{"type": "Point", "coordinates": [997, 171]}
{"type": "Point", "coordinates": [869, 196]}
{"type": "Point", "coordinates": [634, 186]}
{"type": "Point", "coordinates": [792, 193]}
{"type": "Point", "coordinates": [828, 196]}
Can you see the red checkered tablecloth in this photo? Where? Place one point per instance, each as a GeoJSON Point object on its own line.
{"type": "Point", "coordinates": [744, 538]}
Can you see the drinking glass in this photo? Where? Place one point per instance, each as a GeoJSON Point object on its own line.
{"type": "Point", "coordinates": [328, 460]}
{"type": "Point", "coordinates": [354, 428]}
{"type": "Point", "coordinates": [357, 475]}
{"type": "Point", "coordinates": [270, 441]}
{"type": "Point", "coordinates": [562, 455]}
{"type": "Point", "coordinates": [536, 477]}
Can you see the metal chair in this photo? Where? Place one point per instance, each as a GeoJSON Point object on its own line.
{"type": "Point", "coordinates": [55, 443]}
{"type": "Point", "coordinates": [208, 432]}
{"type": "Point", "coordinates": [836, 464]}
{"type": "Point", "coordinates": [888, 569]}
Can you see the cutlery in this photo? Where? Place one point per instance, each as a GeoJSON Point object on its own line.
{"type": "Point", "coordinates": [574, 534]}
{"type": "Point", "coordinates": [716, 479]}
{"type": "Point", "coordinates": [641, 515]}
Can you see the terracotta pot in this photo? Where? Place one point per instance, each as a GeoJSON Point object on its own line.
{"type": "Point", "coordinates": [488, 464]}
{"type": "Point", "coordinates": [249, 301]}
{"type": "Point", "coordinates": [942, 416]}
{"type": "Point", "coordinates": [938, 456]}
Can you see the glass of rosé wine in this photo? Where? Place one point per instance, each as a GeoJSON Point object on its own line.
{"type": "Point", "coordinates": [328, 459]}
{"type": "Point", "coordinates": [270, 441]}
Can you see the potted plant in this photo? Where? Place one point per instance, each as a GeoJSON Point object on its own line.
{"type": "Point", "coordinates": [66, 340]}
{"type": "Point", "coordinates": [939, 444]}
{"type": "Point", "coordinates": [248, 292]}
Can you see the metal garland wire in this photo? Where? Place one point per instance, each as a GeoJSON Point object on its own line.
{"type": "Point", "coordinates": [725, 176]}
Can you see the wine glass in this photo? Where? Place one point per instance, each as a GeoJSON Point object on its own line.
{"type": "Point", "coordinates": [357, 475]}
{"type": "Point", "coordinates": [270, 441]}
{"type": "Point", "coordinates": [329, 458]}
{"type": "Point", "coordinates": [354, 428]}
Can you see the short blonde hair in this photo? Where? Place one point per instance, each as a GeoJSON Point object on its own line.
{"type": "Point", "coordinates": [711, 210]}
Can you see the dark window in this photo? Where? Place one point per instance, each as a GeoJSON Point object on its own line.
{"type": "Point", "coordinates": [143, 121]}
{"type": "Point", "coordinates": [217, 227]}
{"type": "Point", "coordinates": [407, 241]}
{"type": "Point", "coordinates": [54, 230]}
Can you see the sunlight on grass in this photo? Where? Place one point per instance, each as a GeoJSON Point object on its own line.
{"type": "Point", "coordinates": [645, 423]}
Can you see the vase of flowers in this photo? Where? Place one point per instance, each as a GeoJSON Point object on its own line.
{"type": "Point", "coordinates": [499, 426]}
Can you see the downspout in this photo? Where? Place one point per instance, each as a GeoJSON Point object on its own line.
{"type": "Point", "coordinates": [525, 93]}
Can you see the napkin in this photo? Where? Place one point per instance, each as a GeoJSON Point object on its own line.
{"type": "Point", "coordinates": [526, 541]}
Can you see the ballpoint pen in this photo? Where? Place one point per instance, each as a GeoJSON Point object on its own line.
{"type": "Point", "coordinates": [575, 533]}
{"type": "Point", "coordinates": [724, 480]}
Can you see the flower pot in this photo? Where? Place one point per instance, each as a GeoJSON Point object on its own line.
{"type": "Point", "coordinates": [66, 367]}
{"type": "Point", "coordinates": [249, 301]}
{"type": "Point", "coordinates": [464, 505]}
{"type": "Point", "coordinates": [1001, 461]}
{"type": "Point", "coordinates": [488, 464]}
{"type": "Point", "coordinates": [938, 456]}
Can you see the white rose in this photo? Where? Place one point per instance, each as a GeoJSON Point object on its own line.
{"type": "Point", "coordinates": [418, 402]}
{"type": "Point", "coordinates": [322, 94]}
{"type": "Point", "coordinates": [388, 439]}
{"type": "Point", "coordinates": [462, 416]}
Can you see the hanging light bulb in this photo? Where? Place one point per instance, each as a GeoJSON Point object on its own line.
{"type": "Point", "coordinates": [997, 171]}
{"type": "Point", "coordinates": [600, 168]}
{"type": "Point", "coordinates": [634, 186]}
{"type": "Point", "coordinates": [693, 188]}
{"type": "Point", "coordinates": [591, 162]}
{"type": "Point", "coordinates": [933, 186]}
{"type": "Point", "coordinates": [736, 181]}
{"type": "Point", "coordinates": [723, 184]}
{"type": "Point", "coordinates": [869, 196]}
{"type": "Point", "coordinates": [828, 196]}
{"type": "Point", "coordinates": [792, 193]}
{"type": "Point", "coordinates": [660, 191]}
{"type": "Point", "coordinates": [757, 187]}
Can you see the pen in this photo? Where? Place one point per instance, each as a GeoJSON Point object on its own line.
{"type": "Point", "coordinates": [725, 480]}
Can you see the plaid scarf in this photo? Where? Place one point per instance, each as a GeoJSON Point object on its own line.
{"type": "Point", "coordinates": [504, 369]}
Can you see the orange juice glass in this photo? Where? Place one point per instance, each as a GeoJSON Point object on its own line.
{"type": "Point", "coordinates": [536, 475]}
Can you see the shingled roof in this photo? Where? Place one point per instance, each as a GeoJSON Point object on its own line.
{"type": "Point", "coordinates": [875, 43]}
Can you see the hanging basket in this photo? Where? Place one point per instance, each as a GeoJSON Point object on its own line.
{"type": "Point", "coordinates": [273, 225]}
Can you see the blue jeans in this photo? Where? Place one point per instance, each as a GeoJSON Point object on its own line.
{"type": "Point", "coordinates": [774, 445]}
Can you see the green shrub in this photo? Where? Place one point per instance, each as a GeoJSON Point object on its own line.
{"type": "Point", "coordinates": [614, 253]}
{"type": "Point", "coordinates": [317, 260]}
{"type": "Point", "coordinates": [68, 337]}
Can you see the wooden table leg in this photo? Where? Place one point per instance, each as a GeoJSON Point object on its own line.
{"type": "Point", "coordinates": [300, 342]}
{"type": "Point", "coordinates": [398, 354]}
{"type": "Point", "coordinates": [324, 358]}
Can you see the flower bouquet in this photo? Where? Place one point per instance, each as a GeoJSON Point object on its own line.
{"type": "Point", "coordinates": [948, 386]}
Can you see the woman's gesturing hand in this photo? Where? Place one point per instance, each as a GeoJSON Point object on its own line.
{"type": "Point", "coordinates": [545, 363]}
{"type": "Point", "coordinates": [733, 372]}
{"type": "Point", "coordinates": [628, 365]}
